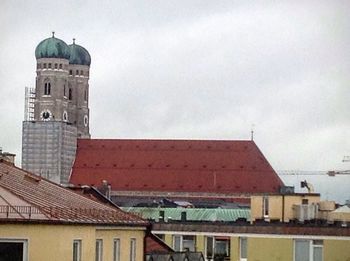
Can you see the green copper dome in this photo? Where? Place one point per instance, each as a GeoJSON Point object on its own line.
{"type": "Point", "coordinates": [79, 55]}
{"type": "Point", "coordinates": [52, 48]}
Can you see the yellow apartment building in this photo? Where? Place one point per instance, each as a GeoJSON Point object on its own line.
{"type": "Point", "coordinates": [40, 220]}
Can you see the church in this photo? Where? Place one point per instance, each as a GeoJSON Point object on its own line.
{"type": "Point", "coordinates": [58, 109]}
{"type": "Point", "coordinates": [56, 134]}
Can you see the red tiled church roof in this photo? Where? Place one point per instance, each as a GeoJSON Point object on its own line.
{"type": "Point", "coordinates": [174, 165]}
{"type": "Point", "coordinates": [27, 197]}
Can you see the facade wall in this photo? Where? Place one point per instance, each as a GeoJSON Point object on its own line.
{"type": "Point", "coordinates": [272, 249]}
{"type": "Point", "coordinates": [125, 236]}
{"type": "Point", "coordinates": [55, 242]}
{"type": "Point", "coordinates": [335, 250]}
{"type": "Point", "coordinates": [276, 210]}
{"type": "Point", "coordinates": [269, 247]}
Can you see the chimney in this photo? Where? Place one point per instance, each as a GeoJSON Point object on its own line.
{"type": "Point", "coordinates": [8, 157]}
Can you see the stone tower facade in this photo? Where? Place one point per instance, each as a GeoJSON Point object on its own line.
{"type": "Point", "coordinates": [61, 109]}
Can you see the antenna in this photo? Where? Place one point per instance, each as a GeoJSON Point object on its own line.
{"type": "Point", "coordinates": [252, 132]}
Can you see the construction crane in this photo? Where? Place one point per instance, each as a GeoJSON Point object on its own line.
{"type": "Point", "coordinates": [332, 173]}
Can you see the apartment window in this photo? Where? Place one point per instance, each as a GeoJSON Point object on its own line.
{"type": "Point", "coordinates": [76, 250]}
{"type": "Point", "coordinates": [304, 201]}
{"type": "Point", "coordinates": [70, 94]}
{"type": "Point", "coordinates": [133, 249]}
{"type": "Point", "coordinates": [47, 88]}
{"type": "Point", "coordinates": [217, 248]}
{"type": "Point", "coordinates": [76, 72]}
{"type": "Point", "coordinates": [44, 65]}
{"type": "Point", "coordinates": [85, 95]}
{"type": "Point", "coordinates": [81, 72]}
{"type": "Point", "coordinates": [70, 72]}
{"type": "Point", "coordinates": [56, 66]}
{"type": "Point", "coordinates": [38, 66]}
{"type": "Point", "coordinates": [116, 249]}
{"type": "Point", "coordinates": [50, 65]}
{"type": "Point", "coordinates": [64, 90]}
{"type": "Point", "coordinates": [184, 243]}
{"type": "Point", "coordinates": [209, 249]}
{"type": "Point", "coordinates": [243, 247]}
{"type": "Point", "coordinates": [60, 66]}
{"type": "Point", "coordinates": [14, 250]}
{"type": "Point", "coordinates": [177, 242]}
{"type": "Point", "coordinates": [265, 206]}
{"type": "Point", "coordinates": [188, 243]}
{"type": "Point", "coordinates": [308, 250]}
{"type": "Point", "coordinates": [99, 249]}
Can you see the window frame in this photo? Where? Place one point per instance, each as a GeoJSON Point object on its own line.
{"type": "Point", "coordinates": [79, 245]}
{"type": "Point", "coordinates": [266, 204]}
{"type": "Point", "coordinates": [311, 248]}
{"type": "Point", "coordinates": [116, 249]}
{"type": "Point", "coordinates": [243, 239]}
{"type": "Point", "coordinates": [99, 250]}
{"type": "Point", "coordinates": [23, 241]}
{"type": "Point", "coordinates": [133, 249]}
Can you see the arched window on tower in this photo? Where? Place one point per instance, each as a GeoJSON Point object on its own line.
{"type": "Point", "coordinates": [47, 88]}
{"type": "Point", "coordinates": [70, 94]}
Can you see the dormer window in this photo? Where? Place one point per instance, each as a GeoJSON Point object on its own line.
{"type": "Point", "coordinates": [47, 88]}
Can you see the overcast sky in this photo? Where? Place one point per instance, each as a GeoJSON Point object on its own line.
{"type": "Point", "coordinates": [197, 70]}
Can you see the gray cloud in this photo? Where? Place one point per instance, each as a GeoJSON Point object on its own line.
{"type": "Point", "coordinates": [197, 69]}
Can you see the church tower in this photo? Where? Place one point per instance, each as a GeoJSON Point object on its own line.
{"type": "Point", "coordinates": [60, 109]}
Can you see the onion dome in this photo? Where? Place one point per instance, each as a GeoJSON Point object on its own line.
{"type": "Point", "coordinates": [52, 48]}
{"type": "Point", "coordinates": [79, 55]}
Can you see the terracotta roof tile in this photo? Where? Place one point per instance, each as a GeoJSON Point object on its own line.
{"type": "Point", "coordinates": [174, 165]}
{"type": "Point", "coordinates": [58, 203]}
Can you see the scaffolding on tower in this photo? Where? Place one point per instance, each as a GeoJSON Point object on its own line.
{"type": "Point", "coordinates": [29, 104]}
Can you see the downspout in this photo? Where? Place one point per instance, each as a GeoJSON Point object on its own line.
{"type": "Point", "coordinates": [283, 208]}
